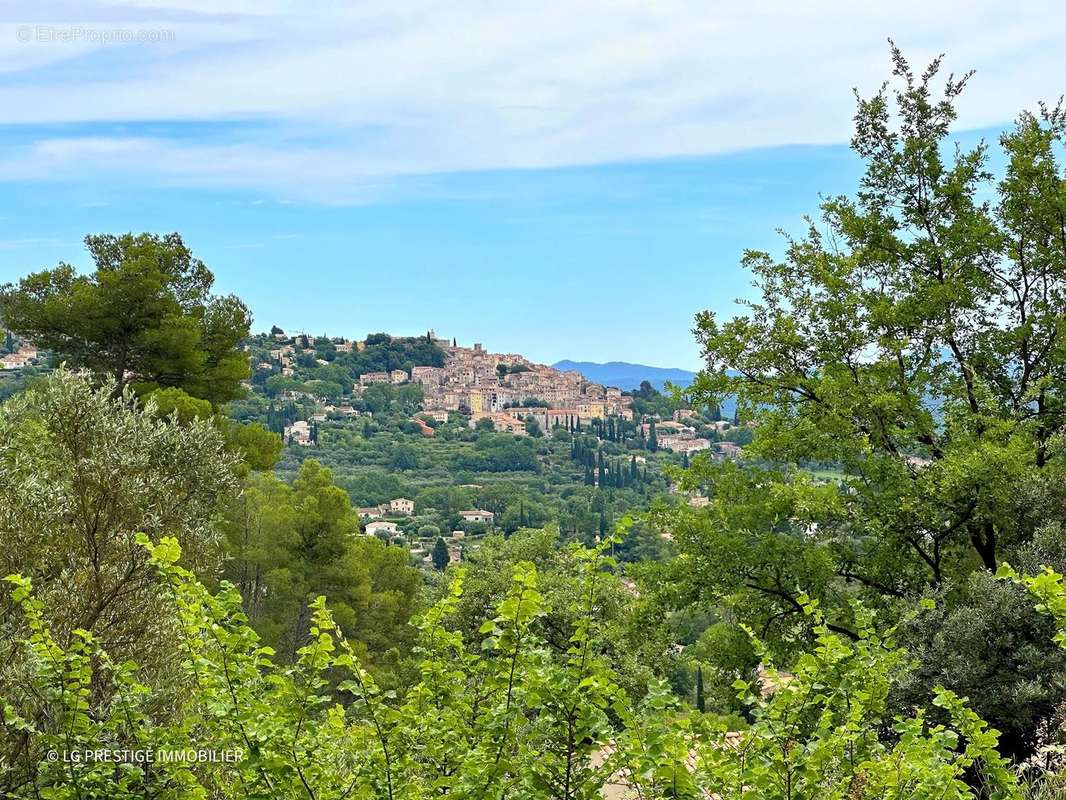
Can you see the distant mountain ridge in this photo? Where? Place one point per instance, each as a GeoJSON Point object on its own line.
{"type": "Point", "coordinates": [625, 375]}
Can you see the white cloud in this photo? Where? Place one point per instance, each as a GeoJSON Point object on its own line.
{"type": "Point", "coordinates": [329, 101]}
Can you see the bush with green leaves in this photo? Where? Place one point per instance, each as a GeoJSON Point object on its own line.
{"type": "Point", "coordinates": [83, 469]}
{"type": "Point", "coordinates": [505, 719]}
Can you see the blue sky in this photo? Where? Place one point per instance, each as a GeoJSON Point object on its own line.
{"type": "Point", "coordinates": [566, 181]}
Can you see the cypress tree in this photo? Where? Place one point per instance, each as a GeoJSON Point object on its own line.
{"type": "Point", "coordinates": [700, 703]}
{"type": "Point", "coordinates": [440, 554]}
{"type": "Point", "coordinates": [653, 439]}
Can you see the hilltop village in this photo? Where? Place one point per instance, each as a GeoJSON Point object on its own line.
{"type": "Point", "coordinates": [507, 389]}
{"type": "Point", "coordinates": [434, 440]}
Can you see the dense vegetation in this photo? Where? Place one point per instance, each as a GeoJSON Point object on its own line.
{"type": "Point", "coordinates": [866, 604]}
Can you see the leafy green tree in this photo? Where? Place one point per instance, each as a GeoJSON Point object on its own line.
{"type": "Point", "coordinates": [289, 544]}
{"type": "Point", "coordinates": [378, 397]}
{"type": "Point", "coordinates": [145, 316]}
{"type": "Point", "coordinates": [991, 646]}
{"type": "Point", "coordinates": [83, 470]}
{"type": "Point", "coordinates": [277, 384]}
{"type": "Point", "coordinates": [921, 348]}
{"type": "Point", "coordinates": [324, 348]}
{"type": "Point", "coordinates": [174, 401]}
{"type": "Point", "coordinates": [326, 390]}
{"type": "Point", "coordinates": [404, 457]}
{"type": "Point", "coordinates": [913, 337]}
{"type": "Point", "coordinates": [533, 427]}
{"type": "Point", "coordinates": [409, 397]}
{"type": "Point", "coordinates": [258, 447]}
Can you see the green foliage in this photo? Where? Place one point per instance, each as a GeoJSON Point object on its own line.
{"type": "Point", "coordinates": [993, 647]}
{"type": "Point", "coordinates": [82, 470]}
{"type": "Point", "coordinates": [384, 353]}
{"type": "Point", "coordinates": [404, 457]}
{"type": "Point", "coordinates": [373, 487]}
{"type": "Point", "coordinates": [174, 401]}
{"type": "Point", "coordinates": [259, 448]}
{"type": "Point", "coordinates": [912, 326]}
{"type": "Point", "coordinates": [1049, 590]}
{"type": "Point", "coordinates": [501, 719]}
{"type": "Point", "coordinates": [499, 453]}
{"type": "Point", "coordinates": [912, 339]}
{"type": "Point", "coordinates": [289, 544]}
{"type": "Point", "coordinates": [650, 402]}
{"type": "Point", "coordinates": [533, 427]}
{"type": "Point", "coordinates": [440, 555]}
{"type": "Point", "coordinates": [145, 315]}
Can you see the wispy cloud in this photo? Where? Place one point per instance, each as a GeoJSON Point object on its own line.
{"type": "Point", "coordinates": [333, 105]}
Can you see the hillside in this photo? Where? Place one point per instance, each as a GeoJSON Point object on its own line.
{"type": "Point", "coordinates": [420, 430]}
